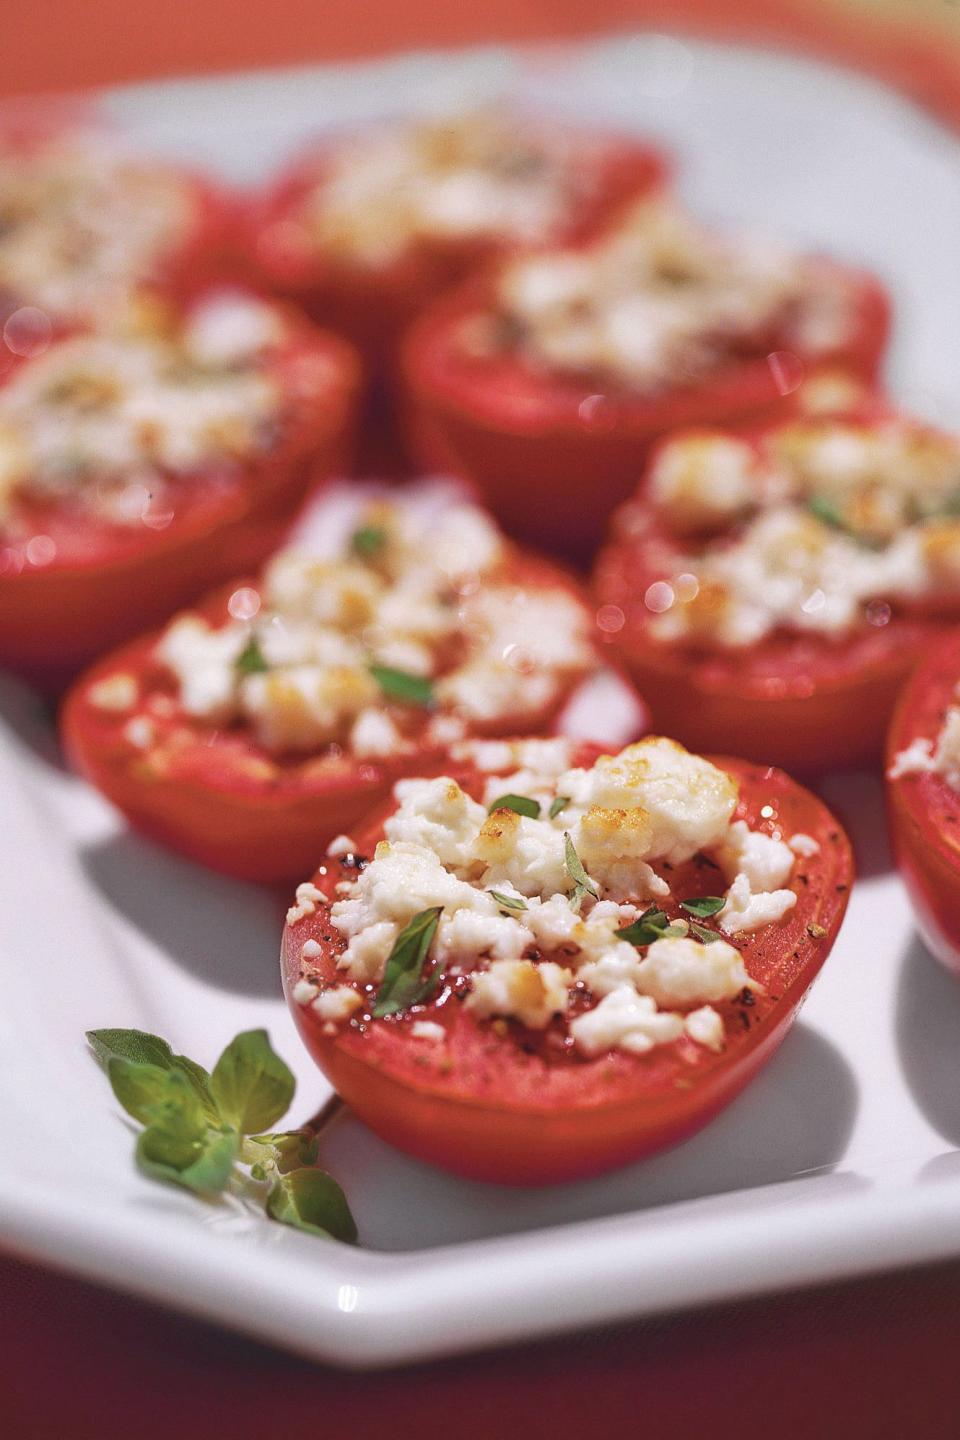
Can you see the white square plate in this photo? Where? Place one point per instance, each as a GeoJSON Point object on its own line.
{"type": "Point", "coordinates": [839, 1159]}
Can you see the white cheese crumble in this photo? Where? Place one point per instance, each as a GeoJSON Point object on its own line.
{"type": "Point", "coordinates": [336, 644]}
{"type": "Point", "coordinates": [117, 692]}
{"type": "Point", "coordinates": [108, 420]}
{"type": "Point", "coordinates": [341, 845]}
{"type": "Point", "coordinates": [513, 926]}
{"type": "Point", "coordinates": [428, 1030]}
{"type": "Point", "coordinates": [660, 299]}
{"type": "Point", "coordinates": [804, 845]}
{"type": "Point", "coordinates": [833, 522]}
{"type": "Point", "coordinates": [85, 222]}
{"type": "Point", "coordinates": [482, 176]}
{"type": "Point", "coordinates": [933, 757]}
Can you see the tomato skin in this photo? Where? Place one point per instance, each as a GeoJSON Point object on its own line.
{"type": "Point", "coordinates": [374, 304]}
{"type": "Point", "coordinates": [224, 801]}
{"type": "Point", "coordinates": [552, 456]}
{"type": "Point", "coordinates": [55, 619]}
{"type": "Point", "coordinates": [485, 1110]}
{"type": "Point", "coordinates": [923, 811]}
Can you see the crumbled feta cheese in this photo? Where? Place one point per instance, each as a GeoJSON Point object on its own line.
{"type": "Point", "coordinates": [366, 955]}
{"type": "Point", "coordinates": [310, 949]}
{"type": "Point", "coordinates": [520, 990]}
{"type": "Point", "coordinates": [438, 815]}
{"type": "Point", "coordinates": [306, 899]}
{"type": "Point", "coordinates": [337, 1003]}
{"type": "Point", "coordinates": [311, 668]}
{"type": "Point", "coordinates": [744, 911]}
{"type": "Point", "coordinates": [401, 880]}
{"type": "Point", "coordinates": [140, 732]}
{"type": "Point", "coordinates": [680, 971]}
{"type": "Point", "coordinates": [804, 845]}
{"type": "Point", "coordinates": [305, 991]}
{"type": "Point", "coordinates": [624, 1020]}
{"type": "Point", "coordinates": [117, 692]}
{"type": "Point", "coordinates": [687, 800]}
{"type": "Point", "coordinates": [766, 862]}
{"type": "Point", "coordinates": [374, 735]}
{"type": "Point", "coordinates": [465, 937]}
{"type": "Point", "coordinates": [341, 845]}
{"type": "Point", "coordinates": [705, 1026]}
{"type": "Point", "coordinates": [940, 757]}
{"type": "Point", "coordinates": [660, 299]}
{"type": "Point", "coordinates": [428, 1030]}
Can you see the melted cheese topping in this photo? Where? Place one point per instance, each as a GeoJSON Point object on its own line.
{"type": "Point", "coordinates": [82, 223]}
{"type": "Point", "coordinates": [818, 530]}
{"type": "Point", "coordinates": [661, 300]}
{"type": "Point", "coordinates": [309, 669]}
{"type": "Point", "coordinates": [101, 419]}
{"type": "Point", "coordinates": [482, 176]}
{"type": "Point", "coordinates": [514, 924]}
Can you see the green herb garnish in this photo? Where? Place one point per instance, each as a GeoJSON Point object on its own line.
{"type": "Point", "coordinates": [703, 906]}
{"type": "Point", "coordinates": [826, 512]}
{"type": "Point", "coordinates": [509, 902]}
{"type": "Point", "coordinates": [401, 685]}
{"type": "Point", "coordinates": [403, 984]}
{"type": "Point", "coordinates": [198, 1125]}
{"type": "Point", "coordinates": [560, 803]}
{"type": "Point", "coordinates": [582, 884]}
{"type": "Point", "coordinates": [701, 933]}
{"type": "Point", "coordinates": [652, 925]}
{"type": "Point", "coordinates": [368, 541]}
{"type": "Point", "coordinates": [522, 804]}
{"type": "Point", "coordinates": [251, 661]}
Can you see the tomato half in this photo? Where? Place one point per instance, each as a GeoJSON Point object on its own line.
{"type": "Point", "coordinates": [923, 810]}
{"type": "Point", "coordinates": [373, 304]}
{"type": "Point", "coordinates": [552, 456]}
{"type": "Point", "coordinates": [98, 582]}
{"type": "Point", "coordinates": [501, 1103]}
{"type": "Point", "coordinates": [807, 702]}
{"type": "Point", "coordinates": [223, 799]}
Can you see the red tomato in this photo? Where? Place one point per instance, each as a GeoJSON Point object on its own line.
{"type": "Point", "coordinates": [807, 702]}
{"type": "Point", "coordinates": [552, 456]}
{"type": "Point", "coordinates": [95, 583]}
{"type": "Point", "coordinates": [502, 1103]}
{"type": "Point", "coordinates": [924, 811]}
{"type": "Point", "coordinates": [223, 799]}
{"type": "Point", "coordinates": [373, 304]}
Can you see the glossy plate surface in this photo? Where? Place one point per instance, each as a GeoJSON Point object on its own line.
{"type": "Point", "coordinates": [841, 1158]}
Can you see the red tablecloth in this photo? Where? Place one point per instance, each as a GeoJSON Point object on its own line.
{"type": "Point", "coordinates": [875, 1360]}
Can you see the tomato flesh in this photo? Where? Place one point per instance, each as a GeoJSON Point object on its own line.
{"type": "Point", "coordinates": [924, 811]}
{"type": "Point", "coordinates": [501, 1103]}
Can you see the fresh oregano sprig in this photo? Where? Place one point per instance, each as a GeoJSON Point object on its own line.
{"type": "Point", "coordinates": [199, 1126]}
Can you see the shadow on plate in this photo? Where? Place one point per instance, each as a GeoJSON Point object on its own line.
{"type": "Point", "coordinates": [222, 931]}
{"type": "Point", "coordinates": [928, 1038]}
{"type": "Point", "coordinates": [794, 1121]}
{"type": "Point", "coordinates": [32, 719]}
{"type": "Point", "coordinates": [856, 797]}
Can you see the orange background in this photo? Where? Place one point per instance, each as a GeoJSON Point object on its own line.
{"type": "Point", "coordinates": [67, 44]}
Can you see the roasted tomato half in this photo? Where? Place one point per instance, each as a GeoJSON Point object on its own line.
{"type": "Point", "coordinates": [772, 593]}
{"type": "Point", "coordinates": [366, 230]}
{"type": "Point", "coordinates": [499, 984]}
{"type": "Point", "coordinates": [546, 382]}
{"type": "Point", "coordinates": [142, 464]}
{"type": "Point", "coordinates": [251, 731]}
{"type": "Point", "coordinates": [86, 221]}
{"type": "Point", "coordinates": [923, 796]}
